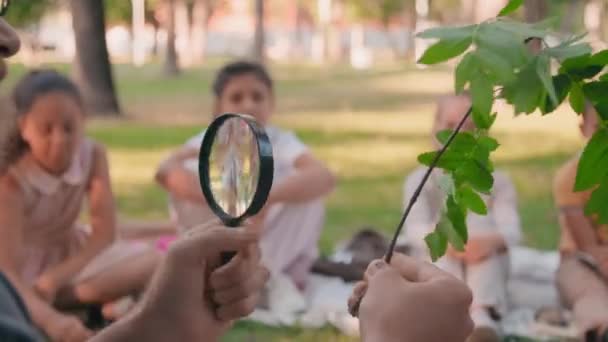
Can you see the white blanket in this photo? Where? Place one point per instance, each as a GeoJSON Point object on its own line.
{"type": "Point", "coordinates": [531, 287]}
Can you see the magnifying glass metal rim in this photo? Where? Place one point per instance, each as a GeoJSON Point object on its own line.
{"type": "Point", "coordinates": [266, 172]}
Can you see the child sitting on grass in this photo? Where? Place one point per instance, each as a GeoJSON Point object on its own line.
{"type": "Point", "coordinates": [294, 215]}
{"type": "Point", "coordinates": [49, 171]}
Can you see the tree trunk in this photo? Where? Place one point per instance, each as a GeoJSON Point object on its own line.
{"type": "Point", "coordinates": [171, 59]}
{"type": "Point", "coordinates": [92, 67]}
{"type": "Point", "coordinates": [156, 27]}
{"type": "Point", "coordinates": [536, 10]}
{"type": "Point", "coordinates": [392, 42]}
{"type": "Point", "coordinates": [138, 31]}
{"type": "Point", "coordinates": [298, 44]}
{"type": "Point", "coordinates": [183, 27]}
{"type": "Point", "coordinates": [258, 44]}
{"type": "Point", "coordinates": [203, 10]}
{"type": "Point", "coordinates": [569, 19]}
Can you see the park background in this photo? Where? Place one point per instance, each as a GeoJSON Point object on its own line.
{"type": "Point", "coordinates": [347, 84]}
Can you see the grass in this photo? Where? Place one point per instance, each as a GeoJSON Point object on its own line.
{"type": "Point", "coordinates": [368, 126]}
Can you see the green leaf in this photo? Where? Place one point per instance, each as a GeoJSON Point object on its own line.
{"type": "Point", "coordinates": [444, 50]}
{"type": "Point", "coordinates": [597, 203]}
{"type": "Point", "coordinates": [443, 136]}
{"type": "Point", "coordinates": [508, 44]}
{"type": "Point", "coordinates": [511, 7]}
{"type": "Point", "coordinates": [472, 200]}
{"type": "Point", "coordinates": [581, 67]}
{"type": "Point", "coordinates": [483, 98]}
{"type": "Point", "coordinates": [437, 243]}
{"type": "Point", "coordinates": [527, 92]}
{"type": "Point", "coordinates": [477, 175]}
{"type": "Point", "coordinates": [602, 109]}
{"type": "Point", "coordinates": [562, 85]}
{"type": "Point", "coordinates": [456, 215]}
{"type": "Point", "coordinates": [593, 165]}
{"type": "Point", "coordinates": [600, 58]}
{"type": "Point", "coordinates": [448, 33]}
{"type": "Point", "coordinates": [604, 77]}
{"type": "Point", "coordinates": [596, 91]}
{"type": "Point", "coordinates": [496, 65]}
{"type": "Point", "coordinates": [543, 70]}
{"type": "Point", "coordinates": [447, 161]}
{"type": "Point", "coordinates": [522, 30]}
{"type": "Point", "coordinates": [465, 71]}
{"type": "Point", "coordinates": [577, 98]}
{"type": "Point", "coordinates": [563, 52]}
{"type": "Point", "coordinates": [463, 143]}
{"type": "Point", "coordinates": [488, 143]}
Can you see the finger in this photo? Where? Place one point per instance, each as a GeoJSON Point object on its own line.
{"type": "Point", "coordinates": [373, 268]}
{"type": "Point", "coordinates": [252, 285]}
{"type": "Point", "coordinates": [385, 279]}
{"type": "Point", "coordinates": [417, 270]}
{"type": "Point", "coordinates": [253, 252]}
{"type": "Point", "coordinates": [355, 299]}
{"type": "Point", "coordinates": [238, 309]}
{"type": "Point", "coordinates": [231, 274]}
{"type": "Point", "coordinates": [408, 267]}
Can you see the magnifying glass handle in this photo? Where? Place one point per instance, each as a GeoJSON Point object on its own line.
{"type": "Point", "coordinates": [227, 256]}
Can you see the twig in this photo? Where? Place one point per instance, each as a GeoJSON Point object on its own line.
{"type": "Point", "coordinates": [389, 254]}
{"type": "Point", "coordinates": [354, 309]}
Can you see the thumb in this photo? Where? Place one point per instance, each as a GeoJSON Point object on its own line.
{"type": "Point", "coordinates": [385, 279]}
{"type": "Point", "coordinates": [199, 244]}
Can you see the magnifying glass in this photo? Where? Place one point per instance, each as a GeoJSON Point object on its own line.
{"type": "Point", "coordinates": [236, 169]}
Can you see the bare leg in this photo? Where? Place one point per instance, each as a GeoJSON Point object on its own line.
{"type": "Point", "coordinates": [585, 292]}
{"type": "Point", "coordinates": [119, 280]}
{"type": "Point", "coordinates": [146, 230]}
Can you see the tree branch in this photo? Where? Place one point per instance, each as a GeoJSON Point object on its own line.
{"type": "Point", "coordinates": [416, 194]}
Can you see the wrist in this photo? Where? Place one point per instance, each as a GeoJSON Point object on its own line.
{"type": "Point", "coordinates": [138, 326]}
{"type": "Point", "coordinates": [148, 323]}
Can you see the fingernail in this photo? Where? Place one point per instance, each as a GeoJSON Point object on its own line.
{"type": "Point", "coordinates": [376, 266]}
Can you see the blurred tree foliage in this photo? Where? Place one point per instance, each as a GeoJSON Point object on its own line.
{"type": "Point", "coordinates": [383, 10]}
{"type": "Point", "coordinates": [23, 13]}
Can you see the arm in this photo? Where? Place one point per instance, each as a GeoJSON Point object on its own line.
{"type": "Point", "coordinates": [11, 229]}
{"type": "Point", "coordinates": [584, 233]}
{"type": "Point", "coordinates": [103, 224]}
{"type": "Point", "coordinates": [311, 179]}
{"type": "Point", "coordinates": [173, 176]}
{"type": "Point", "coordinates": [571, 205]}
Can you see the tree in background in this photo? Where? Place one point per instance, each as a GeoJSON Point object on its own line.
{"type": "Point", "coordinates": [171, 67]}
{"type": "Point", "coordinates": [27, 15]}
{"type": "Point", "coordinates": [535, 11]}
{"type": "Point", "coordinates": [202, 13]}
{"type": "Point", "coordinates": [23, 13]}
{"type": "Point", "coordinates": [258, 40]}
{"type": "Point", "coordinates": [92, 68]}
{"type": "Point", "coordinates": [118, 11]}
{"type": "Point", "coordinates": [383, 11]}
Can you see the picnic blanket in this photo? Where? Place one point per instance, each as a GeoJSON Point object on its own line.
{"type": "Point", "coordinates": [531, 287]}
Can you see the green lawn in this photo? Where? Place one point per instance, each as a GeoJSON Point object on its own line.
{"type": "Point", "coordinates": [368, 126]}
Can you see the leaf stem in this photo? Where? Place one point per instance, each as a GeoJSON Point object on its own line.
{"type": "Point", "coordinates": [389, 254]}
